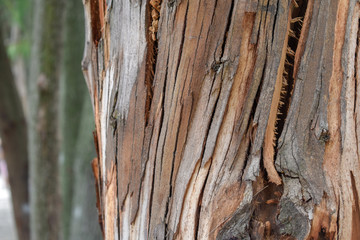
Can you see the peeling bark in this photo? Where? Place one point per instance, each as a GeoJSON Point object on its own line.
{"type": "Point", "coordinates": [225, 120]}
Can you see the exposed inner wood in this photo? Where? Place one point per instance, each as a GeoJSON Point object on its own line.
{"type": "Point", "coordinates": [303, 36]}
{"type": "Point", "coordinates": [298, 13]}
{"type": "Point", "coordinates": [283, 88]}
{"type": "Point", "coordinates": [321, 222]}
{"type": "Point", "coordinates": [102, 14]}
{"type": "Point", "coordinates": [271, 131]}
{"type": "Point", "coordinates": [95, 21]}
{"type": "Point", "coordinates": [111, 203]}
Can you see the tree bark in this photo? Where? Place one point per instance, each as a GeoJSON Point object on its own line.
{"type": "Point", "coordinates": [13, 132]}
{"type": "Point", "coordinates": [225, 120]}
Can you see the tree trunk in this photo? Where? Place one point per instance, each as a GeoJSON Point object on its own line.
{"type": "Point", "coordinates": [78, 196]}
{"type": "Point", "coordinates": [13, 132]}
{"type": "Point", "coordinates": [73, 92]}
{"type": "Point", "coordinates": [225, 119]}
{"type": "Point", "coordinates": [44, 139]}
{"type": "Point", "coordinates": [84, 223]}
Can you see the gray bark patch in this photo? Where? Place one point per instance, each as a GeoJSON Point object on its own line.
{"type": "Point", "coordinates": [237, 226]}
{"type": "Point", "coordinates": [291, 221]}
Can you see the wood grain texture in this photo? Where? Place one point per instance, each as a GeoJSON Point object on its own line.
{"type": "Point", "coordinates": [185, 123]}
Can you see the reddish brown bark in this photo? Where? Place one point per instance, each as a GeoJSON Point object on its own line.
{"type": "Point", "coordinates": [227, 99]}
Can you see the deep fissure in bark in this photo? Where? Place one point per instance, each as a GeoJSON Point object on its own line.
{"type": "Point", "coordinates": [152, 17]}
{"type": "Point", "coordinates": [228, 24]}
{"type": "Point", "coordinates": [298, 11]}
{"type": "Point", "coordinates": [114, 116]}
{"type": "Point", "coordinates": [95, 21]}
{"type": "Point", "coordinates": [283, 88]}
{"type": "Point", "coordinates": [266, 203]}
{"type": "Point", "coordinates": [356, 64]}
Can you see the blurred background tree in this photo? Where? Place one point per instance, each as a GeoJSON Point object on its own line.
{"type": "Point", "coordinates": [44, 40]}
{"type": "Point", "coordinates": [13, 133]}
{"type": "Point", "coordinates": [79, 218]}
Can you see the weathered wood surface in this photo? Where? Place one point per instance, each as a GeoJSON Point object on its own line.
{"type": "Point", "coordinates": [225, 119]}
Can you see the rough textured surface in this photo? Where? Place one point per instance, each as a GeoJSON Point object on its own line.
{"type": "Point", "coordinates": [202, 106]}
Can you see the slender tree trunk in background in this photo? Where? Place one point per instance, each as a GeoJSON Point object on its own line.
{"type": "Point", "coordinates": [73, 92]}
{"type": "Point", "coordinates": [44, 91]}
{"type": "Point", "coordinates": [19, 66]}
{"type": "Point", "coordinates": [78, 195]}
{"type": "Point", "coordinates": [13, 133]}
{"type": "Point", "coordinates": [84, 221]}
{"type": "Point", "coordinates": [226, 119]}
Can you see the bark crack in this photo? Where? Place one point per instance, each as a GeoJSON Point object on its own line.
{"type": "Point", "coordinates": [283, 88]}
{"type": "Point", "coordinates": [153, 10]}
{"type": "Point", "coordinates": [97, 20]}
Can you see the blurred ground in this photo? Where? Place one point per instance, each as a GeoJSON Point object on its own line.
{"type": "Point", "coordinates": [7, 225]}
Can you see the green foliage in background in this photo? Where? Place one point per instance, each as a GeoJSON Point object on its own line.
{"type": "Point", "coordinates": [19, 48]}
{"type": "Point", "coordinates": [17, 10]}
{"type": "Point", "coordinates": [16, 14]}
